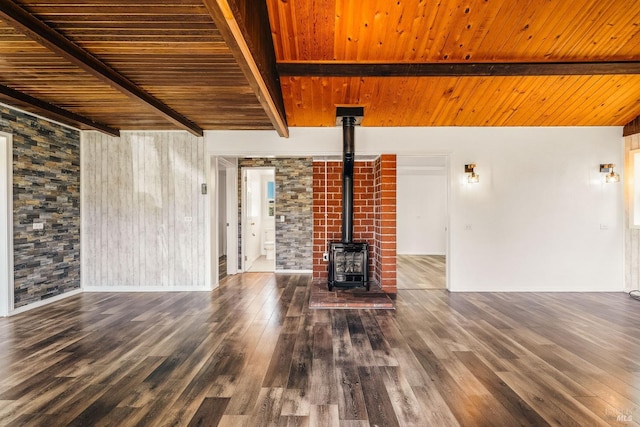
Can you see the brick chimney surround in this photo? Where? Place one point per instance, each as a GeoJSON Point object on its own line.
{"type": "Point", "coordinates": [374, 219]}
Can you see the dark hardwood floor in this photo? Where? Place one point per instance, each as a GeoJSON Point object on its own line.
{"type": "Point", "coordinates": [251, 353]}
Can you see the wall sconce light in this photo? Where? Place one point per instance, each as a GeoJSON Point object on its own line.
{"type": "Point", "coordinates": [472, 177]}
{"type": "Point", "coordinates": [610, 176]}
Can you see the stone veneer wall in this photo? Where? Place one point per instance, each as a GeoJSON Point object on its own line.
{"type": "Point", "coordinates": [294, 200]}
{"type": "Point", "coordinates": [46, 188]}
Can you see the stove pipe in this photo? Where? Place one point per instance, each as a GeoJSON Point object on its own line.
{"type": "Point", "coordinates": [348, 155]}
{"type": "Point", "coordinates": [350, 117]}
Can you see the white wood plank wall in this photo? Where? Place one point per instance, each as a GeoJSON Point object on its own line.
{"type": "Point", "coordinates": [143, 216]}
{"type": "Point", "coordinates": [632, 235]}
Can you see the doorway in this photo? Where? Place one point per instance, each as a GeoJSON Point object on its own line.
{"type": "Point", "coordinates": [258, 220]}
{"type": "Point", "coordinates": [224, 218]}
{"type": "Point", "coordinates": [422, 222]}
{"type": "Point", "coordinates": [6, 225]}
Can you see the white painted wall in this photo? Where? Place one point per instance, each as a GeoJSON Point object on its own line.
{"type": "Point", "coordinates": [421, 205]}
{"type": "Point", "coordinates": [144, 219]}
{"type": "Point", "coordinates": [541, 219]}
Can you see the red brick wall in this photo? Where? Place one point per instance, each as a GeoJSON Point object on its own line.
{"type": "Point", "coordinates": [373, 207]}
{"type": "Point", "coordinates": [385, 221]}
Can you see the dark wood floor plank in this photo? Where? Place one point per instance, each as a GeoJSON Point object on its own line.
{"type": "Point", "coordinates": [341, 340]}
{"type": "Point", "coordinates": [252, 353]}
{"type": "Point", "coordinates": [351, 402]}
{"type": "Point", "coordinates": [277, 374]}
{"type": "Point", "coordinates": [382, 353]}
{"type": "Point", "coordinates": [362, 351]}
{"type": "Point", "coordinates": [210, 412]}
{"type": "Point", "coordinates": [301, 360]}
{"type": "Point", "coordinates": [380, 411]}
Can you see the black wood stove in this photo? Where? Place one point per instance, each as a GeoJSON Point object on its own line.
{"type": "Point", "coordinates": [348, 260]}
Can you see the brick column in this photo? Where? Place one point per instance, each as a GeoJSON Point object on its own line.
{"type": "Point", "coordinates": [385, 235]}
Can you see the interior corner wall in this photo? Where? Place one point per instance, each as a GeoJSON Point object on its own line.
{"type": "Point", "coordinates": [541, 218]}
{"type": "Point", "coordinates": [144, 217]}
{"type": "Point", "coordinates": [46, 189]}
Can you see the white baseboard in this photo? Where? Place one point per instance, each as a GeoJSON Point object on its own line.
{"type": "Point", "coordinates": [44, 302]}
{"type": "Point", "coordinates": [148, 289]}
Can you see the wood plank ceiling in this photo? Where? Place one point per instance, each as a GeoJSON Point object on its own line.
{"type": "Point", "coordinates": [171, 51]}
{"type": "Point", "coordinates": [214, 64]}
{"type": "Point", "coordinates": [375, 53]}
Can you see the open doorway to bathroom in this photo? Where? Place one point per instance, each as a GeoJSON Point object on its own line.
{"type": "Point", "coordinates": [258, 219]}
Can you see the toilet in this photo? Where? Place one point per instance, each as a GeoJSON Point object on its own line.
{"type": "Point", "coordinates": [270, 243]}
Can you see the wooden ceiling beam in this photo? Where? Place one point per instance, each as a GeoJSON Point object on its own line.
{"type": "Point", "coordinates": [40, 32]}
{"type": "Point", "coordinates": [492, 69]}
{"type": "Point", "coordinates": [631, 128]}
{"type": "Point", "coordinates": [53, 112]}
{"type": "Point", "coordinates": [244, 25]}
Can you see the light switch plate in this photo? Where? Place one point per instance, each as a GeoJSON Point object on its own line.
{"type": "Point", "coordinates": [38, 226]}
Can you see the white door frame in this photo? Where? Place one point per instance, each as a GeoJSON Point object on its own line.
{"type": "Point", "coordinates": [232, 215]}
{"type": "Point", "coordinates": [243, 220]}
{"type": "Point", "coordinates": [231, 187]}
{"type": "Point", "coordinates": [6, 224]}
